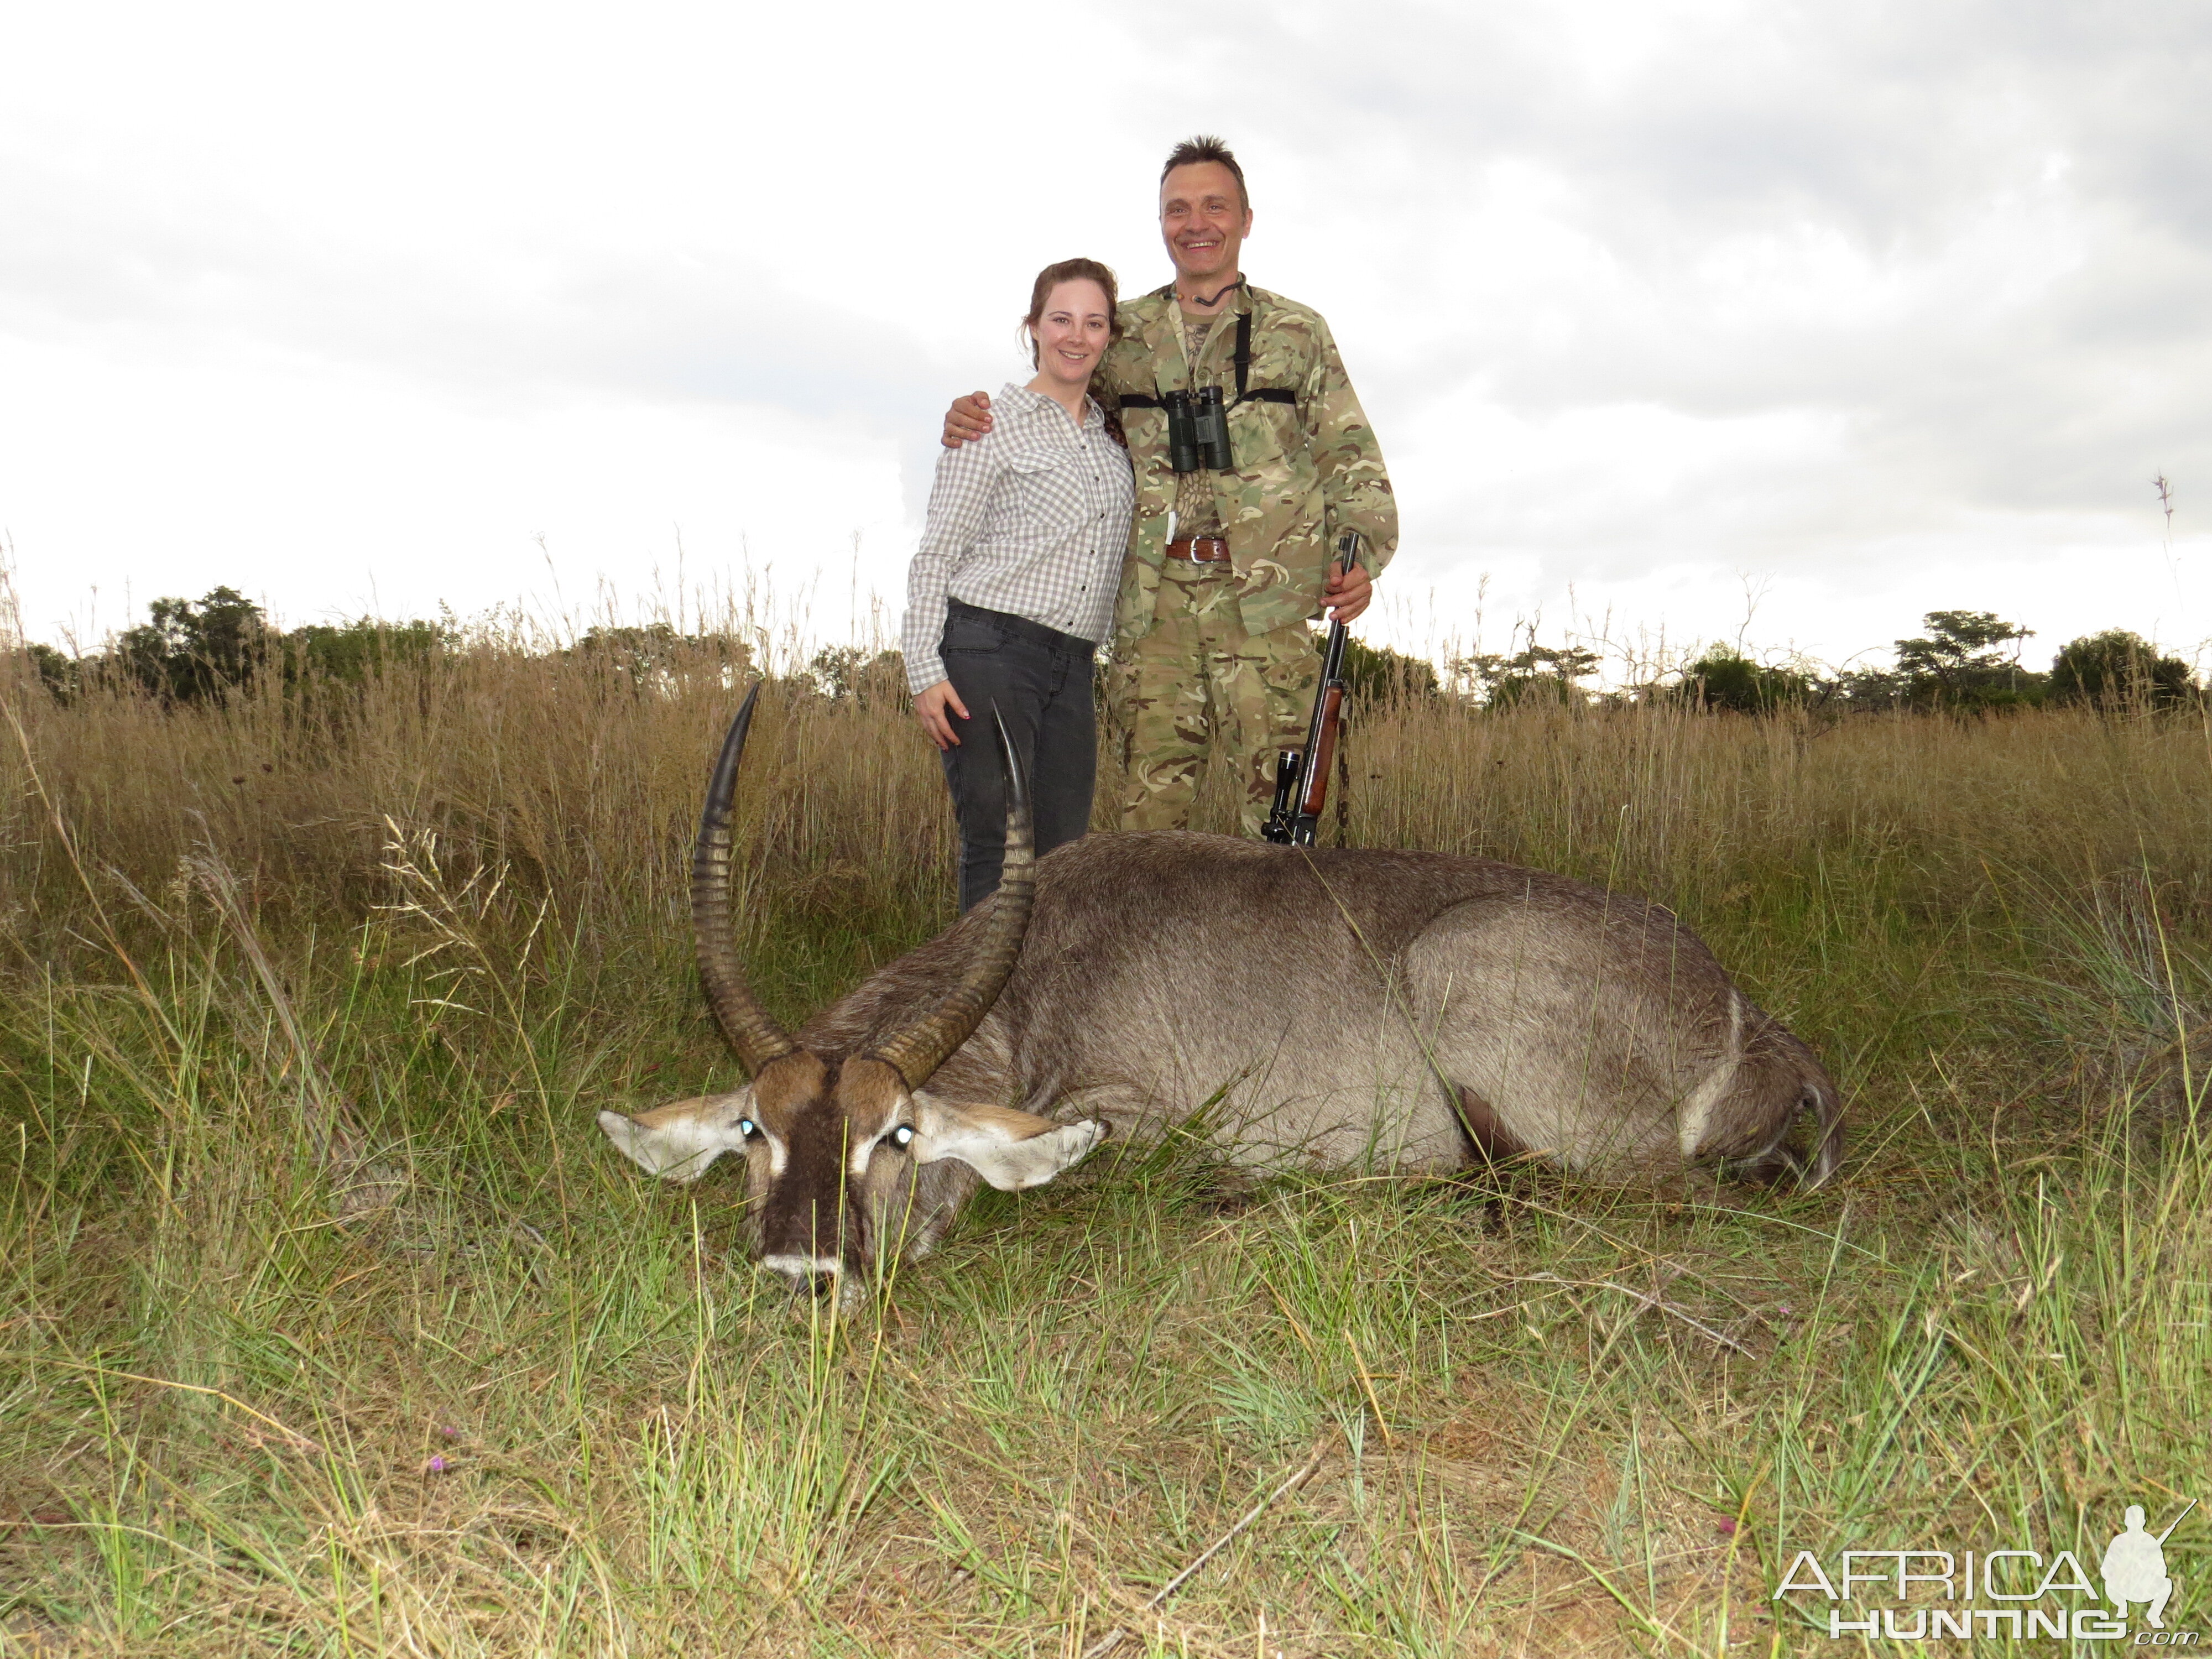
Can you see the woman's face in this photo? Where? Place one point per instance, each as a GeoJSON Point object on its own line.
{"type": "Point", "coordinates": [1073, 333]}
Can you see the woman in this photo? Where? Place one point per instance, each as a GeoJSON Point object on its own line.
{"type": "Point", "coordinates": [1013, 585]}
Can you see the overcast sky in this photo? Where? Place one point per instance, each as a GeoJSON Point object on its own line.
{"type": "Point", "coordinates": [1672, 314]}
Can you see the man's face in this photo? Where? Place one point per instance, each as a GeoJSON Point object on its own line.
{"type": "Point", "coordinates": [1204, 221]}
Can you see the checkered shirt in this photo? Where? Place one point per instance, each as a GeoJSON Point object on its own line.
{"type": "Point", "coordinates": [1032, 518]}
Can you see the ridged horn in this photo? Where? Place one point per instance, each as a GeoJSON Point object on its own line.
{"type": "Point", "coordinates": [752, 1032]}
{"type": "Point", "coordinates": [918, 1051]}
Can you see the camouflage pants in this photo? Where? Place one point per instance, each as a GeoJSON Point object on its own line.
{"type": "Point", "coordinates": [1198, 675]}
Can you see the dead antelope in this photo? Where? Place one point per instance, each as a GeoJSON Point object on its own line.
{"type": "Point", "coordinates": [1400, 1010]}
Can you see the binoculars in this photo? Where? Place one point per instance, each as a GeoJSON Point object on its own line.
{"type": "Point", "coordinates": [1198, 430]}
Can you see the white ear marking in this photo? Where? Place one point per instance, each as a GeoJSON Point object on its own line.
{"type": "Point", "coordinates": [676, 1142]}
{"type": "Point", "coordinates": [1010, 1150]}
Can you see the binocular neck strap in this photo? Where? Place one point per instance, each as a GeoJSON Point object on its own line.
{"type": "Point", "coordinates": [1242, 360]}
{"type": "Point", "coordinates": [1265, 394]}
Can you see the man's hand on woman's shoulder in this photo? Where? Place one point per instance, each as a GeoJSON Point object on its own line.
{"type": "Point", "coordinates": [968, 419]}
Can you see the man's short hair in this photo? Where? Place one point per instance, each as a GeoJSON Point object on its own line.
{"type": "Point", "coordinates": [1205, 147]}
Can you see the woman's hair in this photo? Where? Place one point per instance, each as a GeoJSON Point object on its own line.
{"type": "Point", "coordinates": [1075, 270]}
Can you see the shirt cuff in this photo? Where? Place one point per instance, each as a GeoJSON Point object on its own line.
{"type": "Point", "coordinates": [922, 672]}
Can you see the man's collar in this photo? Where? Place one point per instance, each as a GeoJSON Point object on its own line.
{"type": "Point", "coordinates": [1236, 305]}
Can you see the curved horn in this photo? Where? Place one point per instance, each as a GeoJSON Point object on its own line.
{"type": "Point", "coordinates": [749, 1028]}
{"type": "Point", "coordinates": [920, 1050]}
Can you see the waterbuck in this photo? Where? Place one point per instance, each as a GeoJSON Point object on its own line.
{"type": "Point", "coordinates": [1397, 1010]}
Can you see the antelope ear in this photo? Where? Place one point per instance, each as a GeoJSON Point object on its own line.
{"type": "Point", "coordinates": [1010, 1149]}
{"type": "Point", "coordinates": [678, 1141]}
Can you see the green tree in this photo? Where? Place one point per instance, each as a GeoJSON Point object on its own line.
{"type": "Point", "coordinates": [851, 671]}
{"type": "Point", "coordinates": [1542, 673]}
{"type": "Point", "coordinates": [1962, 661]}
{"type": "Point", "coordinates": [190, 650]}
{"type": "Point", "coordinates": [1724, 678]}
{"type": "Point", "coordinates": [1869, 688]}
{"type": "Point", "coordinates": [656, 657]}
{"type": "Point", "coordinates": [2117, 669]}
{"type": "Point", "coordinates": [57, 674]}
{"type": "Point", "coordinates": [1378, 674]}
{"type": "Point", "coordinates": [348, 654]}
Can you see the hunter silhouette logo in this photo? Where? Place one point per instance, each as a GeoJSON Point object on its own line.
{"type": "Point", "coordinates": [2134, 1567]}
{"type": "Point", "coordinates": [1935, 1594]}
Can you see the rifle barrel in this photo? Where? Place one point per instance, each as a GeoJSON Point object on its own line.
{"type": "Point", "coordinates": [2178, 1520]}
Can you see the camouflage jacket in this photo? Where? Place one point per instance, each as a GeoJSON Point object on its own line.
{"type": "Point", "coordinates": [1304, 473]}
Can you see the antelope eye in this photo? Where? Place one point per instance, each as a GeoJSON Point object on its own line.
{"type": "Point", "coordinates": [748, 1129]}
{"type": "Point", "coordinates": [902, 1136]}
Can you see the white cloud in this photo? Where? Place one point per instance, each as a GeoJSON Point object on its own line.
{"type": "Point", "coordinates": [1883, 308]}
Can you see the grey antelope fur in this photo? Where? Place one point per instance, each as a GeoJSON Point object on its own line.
{"type": "Point", "coordinates": [1403, 1011]}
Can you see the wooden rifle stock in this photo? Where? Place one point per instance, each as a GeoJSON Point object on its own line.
{"type": "Point", "coordinates": [1324, 752]}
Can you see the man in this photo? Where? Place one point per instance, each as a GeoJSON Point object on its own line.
{"type": "Point", "coordinates": [1211, 622]}
{"type": "Point", "coordinates": [2135, 1568]}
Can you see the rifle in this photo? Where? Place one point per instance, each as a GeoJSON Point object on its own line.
{"type": "Point", "coordinates": [1302, 774]}
{"type": "Point", "coordinates": [2178, 1520]}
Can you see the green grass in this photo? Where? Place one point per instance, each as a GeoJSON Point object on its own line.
{"type": "Point", "coordinates": [331, 1325]}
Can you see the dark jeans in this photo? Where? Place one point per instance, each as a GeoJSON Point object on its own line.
{"type": "Point", "coordinates": [1039, 680]}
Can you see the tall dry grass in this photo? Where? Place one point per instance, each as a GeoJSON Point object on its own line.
{"type": "Point", "coordinates": [330, 1327]}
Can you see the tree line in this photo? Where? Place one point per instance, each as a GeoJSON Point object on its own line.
{"type": "Point", "coordinates": [201, 651]}
{"type": "Point", "coordinates": [1963, 661]}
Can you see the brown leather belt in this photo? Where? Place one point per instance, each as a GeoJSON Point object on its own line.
{"type": "Point", "coordinates": [1199, 549]}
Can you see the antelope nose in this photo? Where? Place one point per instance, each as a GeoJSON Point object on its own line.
{"type": "Point", "coordinates": [805, 1272]}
